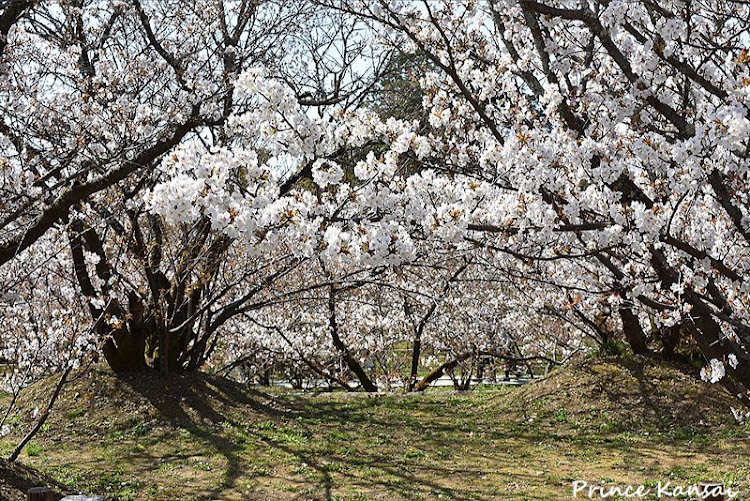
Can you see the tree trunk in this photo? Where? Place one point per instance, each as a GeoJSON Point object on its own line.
{"type": "Point", "coordinates": [264, 378]}
{"type": "Point", "coordinates": [416, 350]}
{"type": "Point", "coordinates": [40, 494]}
{"type": "Point", "coordinates": [670, 338]}
{"type": "Point", "coordinates": [706, 332]}
{"type": "Point", "coordinates": [633, 331]}
{"type": "Point", "coordinates": [351, 362]}
{"type": "Point", "coordinates": [125, 352]}
{"type": "Point", "coordinates": [440, 370]}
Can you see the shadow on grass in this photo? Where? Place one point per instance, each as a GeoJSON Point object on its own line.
{"type": "Point", "coordinates": [637, 392]}
{"type": "Point", "coordinates": [196, 405]}
{"type": "Point", "coordinates": [400, 447]}
{"type": "Point", "coordinates": [16, 479]}
{"type": "Point", "coordinates": [207, 408]}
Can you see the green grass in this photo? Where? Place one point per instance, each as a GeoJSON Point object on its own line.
{"type": "Point", "coordinates": [213, 439]}
{"type": "Point", "coordinates": [33, 449]}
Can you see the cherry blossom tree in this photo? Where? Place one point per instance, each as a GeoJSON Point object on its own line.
{"type": "Point", "coordinates": [578, 165]}
{"type": "Point", "coordinates": [619, 132]}
{"type": "Point", "coordinates": [94, 95]}
{"type": "Point", "coordinates": [605, 157]}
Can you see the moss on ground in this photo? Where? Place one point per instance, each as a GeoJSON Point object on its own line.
{"type": "Point", "coordinates": [202, 437]}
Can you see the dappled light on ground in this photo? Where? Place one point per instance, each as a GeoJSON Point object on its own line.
{"type": "Point", "coordinates": [200, 437]}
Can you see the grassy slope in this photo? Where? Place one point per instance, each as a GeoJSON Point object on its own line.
{"type": "Point", "coordinates": [206, 438]}
{"type": "Point", "coordinates": [16, 479]}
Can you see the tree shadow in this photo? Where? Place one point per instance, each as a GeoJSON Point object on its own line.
{"type": "Point", "coordinates": [300, 428]}
{"type": "Point", "coordinates": [205, 406]}
{"type": "Point", "coordinates": [198, 404]}
{"type": "Point", "coordinates": [16, 479]}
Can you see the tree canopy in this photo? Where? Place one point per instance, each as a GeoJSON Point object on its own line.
{"type": "Point", "coordinates": [320, 183]}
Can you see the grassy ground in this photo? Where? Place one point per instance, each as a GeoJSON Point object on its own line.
{"type": "Point", "coordinates": [198, 437]}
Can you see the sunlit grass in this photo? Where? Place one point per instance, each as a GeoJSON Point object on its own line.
{"type": "Point", "coordinates": [222, 441]}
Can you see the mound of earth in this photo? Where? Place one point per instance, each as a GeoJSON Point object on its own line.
{"type": "Point", "coordinates": [625, 393]}
{"type": "Point", "coordinates": [635, 392]}
{"type": "Point", "coordinates": [16, 479]}
{"type": "Point", "coordinates": [104, 402]}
